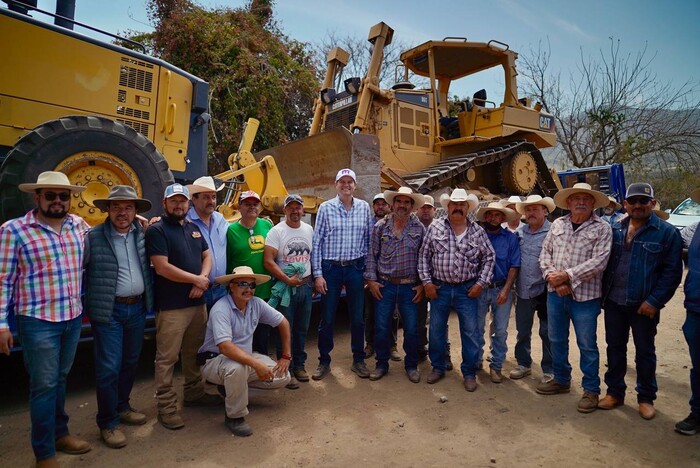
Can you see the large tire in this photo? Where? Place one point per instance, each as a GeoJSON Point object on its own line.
{"type": "Point", "coordinates": [92, 151]}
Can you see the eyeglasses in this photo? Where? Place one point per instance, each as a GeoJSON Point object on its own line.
{"type": "Point", "coordinates": [51, 196]}
{"type": "Point", "coordinates": [639, 201]}
{"type": "Point", "coordinates": [245, 284]}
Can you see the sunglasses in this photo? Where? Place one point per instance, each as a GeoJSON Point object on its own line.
{"type": "Point", "coordinates": [639, 201]}
{"type": "Point", "coordinates": [245, 284]}
{"type": "Point", "coordinates": [51, 196]}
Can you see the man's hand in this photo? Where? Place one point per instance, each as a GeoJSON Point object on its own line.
{"type": "Point", "coordinates": [281, 368]}
{"type": "Point", "coordinates": [294, 281]}
{"type": "Point", "coordinates": [419, 294]}
{"type": "Point", "coordinates": [475, 291]}
{"type": "Point", "coordinates": [502, 296]}
{"type": "Point", "coordinates": [431, 291]}
{"type": "Point", "coordinates": [563, 290]}
{"type": "Point", "coordinates": [557, 278]}
{"type": "Point", "coordinates": [202, 282]}
{"type": "Point", "coordinates": [154, 219]}
{"type": "Point", "coordinates": [196, 293]}
{"type": "Point", "coordinates": [647, 309]}
{"type": "Point", "coordinates": [375, 288]}
{"type": "Point", "coordinates": [264, 373]}
{"type": "Point", "coordinates": [320, 285]}
{"type": "Point", "coordinates": [6, 342]}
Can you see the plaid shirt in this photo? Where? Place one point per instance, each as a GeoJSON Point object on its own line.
{"type": "Point", "coordinates": [443, 258]}
{"type": "Point", "coordinates": [41, 271]}
{"type": "Point", "coordinates": [340, 234]}
{"type": "Point", "coordinates": [391, 255]}
{"type": "Point", "coordinates": [582, 254]}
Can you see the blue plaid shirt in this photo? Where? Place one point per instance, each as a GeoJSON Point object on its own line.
{"type": "Point", "coordinates": [340, 234]}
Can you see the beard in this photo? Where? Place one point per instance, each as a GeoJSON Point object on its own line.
{"type": "Point", "coordinates": [177, 217]}
{"type": "Point", "coordinates": [60, 214]}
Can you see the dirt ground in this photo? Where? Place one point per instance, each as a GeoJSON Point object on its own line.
{"type": "Point", "coordinates": [343, 420]}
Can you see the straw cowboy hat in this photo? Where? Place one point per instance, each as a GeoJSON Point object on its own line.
{"type": "Point", "coordinates": [242, 272]}
{"type": "Point", "coordinates": [617, 205]}
{"type": "Point", "coordinates": [460, 195]}
{"type": "Point", "coordinates": [601, 200]}
{"type": "Point", "coordinates": [496, 206]}
{"type": "Point", "coordinates": [418, 199]}
{"type": "Point", "coordinates": [204, 184]}
{"type": "Point", "coordinates": [695, 195]}
{"type": "Point", "coordinates": [547, 202]}
{"type": "Point", "coordinates": [660, 212]}
{"type": "Point", "coordinates": [51, 180]}
{"type": "Point", "coordinates": [123, 193]}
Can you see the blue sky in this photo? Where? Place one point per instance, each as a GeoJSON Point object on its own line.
{"type": "Point", "coordinates": [668, 28]}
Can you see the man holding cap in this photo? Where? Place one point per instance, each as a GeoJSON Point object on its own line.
{"type": "Point", "coordinates": [118, 293]}
{"type": "Point", "coordinates": [180, 255]}
{"type": "Point", "coordinates": [289, 244]}
{"type": "Point", "coordinates": [643, 272]}
{"type": "Point", "coordinates": [340, 245]}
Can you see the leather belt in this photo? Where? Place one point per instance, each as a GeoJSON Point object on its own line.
{"type": "Point", "coordinates": [440, 282]}
{"type": "Point", "coordinates": [129, 300]}
{"type": "Point", "coordinates": [391, 280]}
{"type": "Point", "coordinates": [496, 284]}
{"type": "Point", "coordinates": [344, 263]}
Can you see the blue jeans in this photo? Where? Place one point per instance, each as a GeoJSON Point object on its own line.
{"type": "Point", "coordinates": [298, 314]}
{"type": "Point", "coordinates": [394, 295]}
{"type": "Point", "coordinates": [501, 315]}
{"type": "Point", "coordinates": [524, 318]}
{"type": "Point", "coordinates": [454, 296]}
{"type": "Point", "coordinates": [117, 349]}
{"type": "Point", "coordinates": [336, 277]}
{"type": "Point", "coordinates": [691, 331]}
{"type": "Point", "coordinates": [49, 349]}
{"type": "Point", "coordinates": [561, 311]}
{"type": "Point", "coordinates": [618, 321]}
{"type": "Point", "coordinates": [215, 292]}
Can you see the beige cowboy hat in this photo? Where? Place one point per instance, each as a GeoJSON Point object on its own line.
{"type": "Point", "coordinates": [547, 202]}
{"type": "Point", "coordinates": [513, 199]}
{"type": "Point", "coordinates": [51, 180]}
{"type": "Point", "coordinates": [418, 199]}
{"type": "Point", "coordinates": [658, 211]}
{"type": "Point", "coordinates": [460, 195]}
{"type": "Point", "coordinates": [496, 206]}
{"type": "Point", "coordinates": [123, 193]}
{"type": "Point", "coordinates": [601, 200]}
{"type": "Point", "coordinates": [612, 200]}
{"type": "Point", "coordinates": [204, 184]}
{"type": "Point", "coordinates": [695, 195]}
{"type": "Point", "coordinates": [242, 272]}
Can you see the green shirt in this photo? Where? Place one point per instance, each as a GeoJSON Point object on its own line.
{"type": "Point", "coordinates": [246, 249]}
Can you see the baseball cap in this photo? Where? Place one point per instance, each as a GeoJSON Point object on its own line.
{"type": "Point", "coordinates": [176, 189]}
{"type": "Point", "coordinates": [345, 172]}
{"type": "Point", "coordinates": [248, 194]}
{"type": "Point", "coordinates": [639, 189]}
{"type": "Point", "coordinates": [379, 196]}
{"type": "Point", "coordinates": [293, 197]}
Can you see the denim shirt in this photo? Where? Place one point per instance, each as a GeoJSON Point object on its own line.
{"type": "Point", "coordinates": [530, 282]}
{"type": "Point", "coordinates": [656, 266]}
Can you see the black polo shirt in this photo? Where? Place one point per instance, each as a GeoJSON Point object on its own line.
{"type": "Point", "coordinates": [183, 245]}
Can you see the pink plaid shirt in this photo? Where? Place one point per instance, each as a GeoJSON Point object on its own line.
{"type": "Point", "coordinates": [582, 254]}
{"type": "Point", "coordinates": [41, 271]}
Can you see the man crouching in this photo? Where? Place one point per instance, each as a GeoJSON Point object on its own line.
{"type": "Point", "coordinates": [227, 356]}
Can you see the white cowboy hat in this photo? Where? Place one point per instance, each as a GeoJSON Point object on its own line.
{"type": "Point", "coordinates": [418, 199]}
{"type": "Point", "coordinates": [617, 205]}
{"type": "Point", "coordinates": [428, 200]}
{"type": "Point", "coordinates": [204, 184]}
{"type": "Point", "coordinates": [460, 195]}
{"type": "Point", "coordinates": [242, 272]}
{"type": "Point", "coordinates": [695, 195]}
{"type": "Point", "coordinates": [547, 202]}
{"type": "Point", "coordinates": [497, 206]}
{"type": "Point", "coordinates": [53, 180]}
{"type": "Point", "coordinates": [601, 200]}
{"type": "Point", "coordinates": [510, 200]}
{"type": "Point", "coordinates": [123, 193]}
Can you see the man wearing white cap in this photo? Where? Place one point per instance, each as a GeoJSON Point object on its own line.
{"type": "Point", "coordinates": [455, 264]}
{"type": "Point", "coordinates": [340, 245]}
{"type": "Point", "coordinates": [41, 277]}
{"type": "Point", "coordinates": [574, 255]}
{"type": "Point", "coordinates": [213, 227]}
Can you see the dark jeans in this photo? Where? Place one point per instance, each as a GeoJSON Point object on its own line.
{"type": "Point", "coordinates": [261, 339]}
{"type": "Point", "coordinates": [298, 314]}
{"type": "Point", "coordinates": [524, 318]}
{"type": "Point", "coordinates": [691, 331]}
{"type": "Point", "coordinates": [369, 321]}
{"type": "Point", "coordinates": [117, 349]}
{"type": "Point", "coordinates": [48, 350]}
{"type": "Point", "coordinates": [336, 277]}
{"type": "Point", "coordinates": [423, 328]}
{"type": "Point", "coordinates": [215, 292]}
{"type": "Point", "coordinates": [394, 296]}
{"type": "Point", "coordinates": [618, 321]}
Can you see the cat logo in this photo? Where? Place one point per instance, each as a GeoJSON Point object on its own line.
{"type": "Point", "coordinates": [256, 242]}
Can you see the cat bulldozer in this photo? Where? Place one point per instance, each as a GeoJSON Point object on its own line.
{"type": "Point", "coordinates": [406, 136]}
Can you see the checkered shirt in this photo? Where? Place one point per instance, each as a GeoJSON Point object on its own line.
{"type": "Point", "coordinates": [392, 255]}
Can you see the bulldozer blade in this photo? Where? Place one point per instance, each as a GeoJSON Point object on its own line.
{"type": "Point", "coordinates": [310, 165]}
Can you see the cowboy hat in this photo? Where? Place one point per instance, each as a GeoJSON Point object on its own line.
{"type": "Point", "coordinates": [460, 195]}
{"type": "Point", "coordinates": [513, 199]}
{"type": "Point", "coordinates": [601, 200]}
{"type": "Point", "coordinates": [123, 193]}
{"type": "Point", "coordinates": [204, 184]}
{"type": "Point", "coordinates": [612, 200]}
{"type": "Point", "coordinates": [428, 200]}
{"type": "Point", "coordinates": [695, 195]}
{"type": "Point", "coordinates": [418, 199]}
{"type": "Point", "coordinates": [547, 202]}
{"type": "Point", "coordinates": [242, 272]}
{"type": "Point", "coordinates": [496, 206]}
{"type": "Point", "coordinates": [51, 180]}
{"type": "Point", "coordinates": [658, 211]}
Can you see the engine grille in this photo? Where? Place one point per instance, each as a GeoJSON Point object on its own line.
{"type": "Point", "coordinates": [343, 117]}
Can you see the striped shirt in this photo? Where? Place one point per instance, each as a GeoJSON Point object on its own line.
{"type": "Point", "coordinates": [41, 271]}
{"type": "Point", "coordinates": [340, 234]}
{"type": "Point", "coordinates": [582, 254]}
{"type": "Point", "coordinates": [394, 255]}
{"type": "Point", "coordinates": [443, 258]}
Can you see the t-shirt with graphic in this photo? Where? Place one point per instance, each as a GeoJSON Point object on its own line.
{"type": "Point", "coordinates": [292, 244]}
{"type": "Point", "coordinates": [245, 247]}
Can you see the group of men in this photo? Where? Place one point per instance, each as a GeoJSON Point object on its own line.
{"type": "Point", "coordinates": [210, 286]}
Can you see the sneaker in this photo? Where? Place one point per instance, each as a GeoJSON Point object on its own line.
{"type": "Point", "coordinates": [321, 371]}
{"type": "Point", "coordinates": [238, 426]}
{"type": "Point", "coordinates": [293, 383]}
{"type": "Point", "coordinates": [72, 445]}
{"type": "Point", "coordinates": [369, 351]}
{"type": "Point", "coordinates": [496, 375]}
{"type": "Point", "coordinates": [133, 418]}
{"type": "Point", "coordinates": [378, 373]}
{"type": "Point", "coordinates": [394, 354]}
{"type": "Point", "coordinates": [546, 378]}
{"type": "Point", "coordinates": [171, 421]}
{"type": "Point", "coordinates": [207, 399]}
{"type": "Point", "coordinates": [690, 425]}
{"type": "Point", "coordinates": [588, 403]}
{"type": "Point", "coordinates": [301, 374]}
{"type": "Point", "coordinates": [360, 369]}
{"type": "Point", "coordinates": [113, 438]}
{"type": "Point", "coordinates": [552, 388]}
{"type": "Point", "coordinates": [519, 372]}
